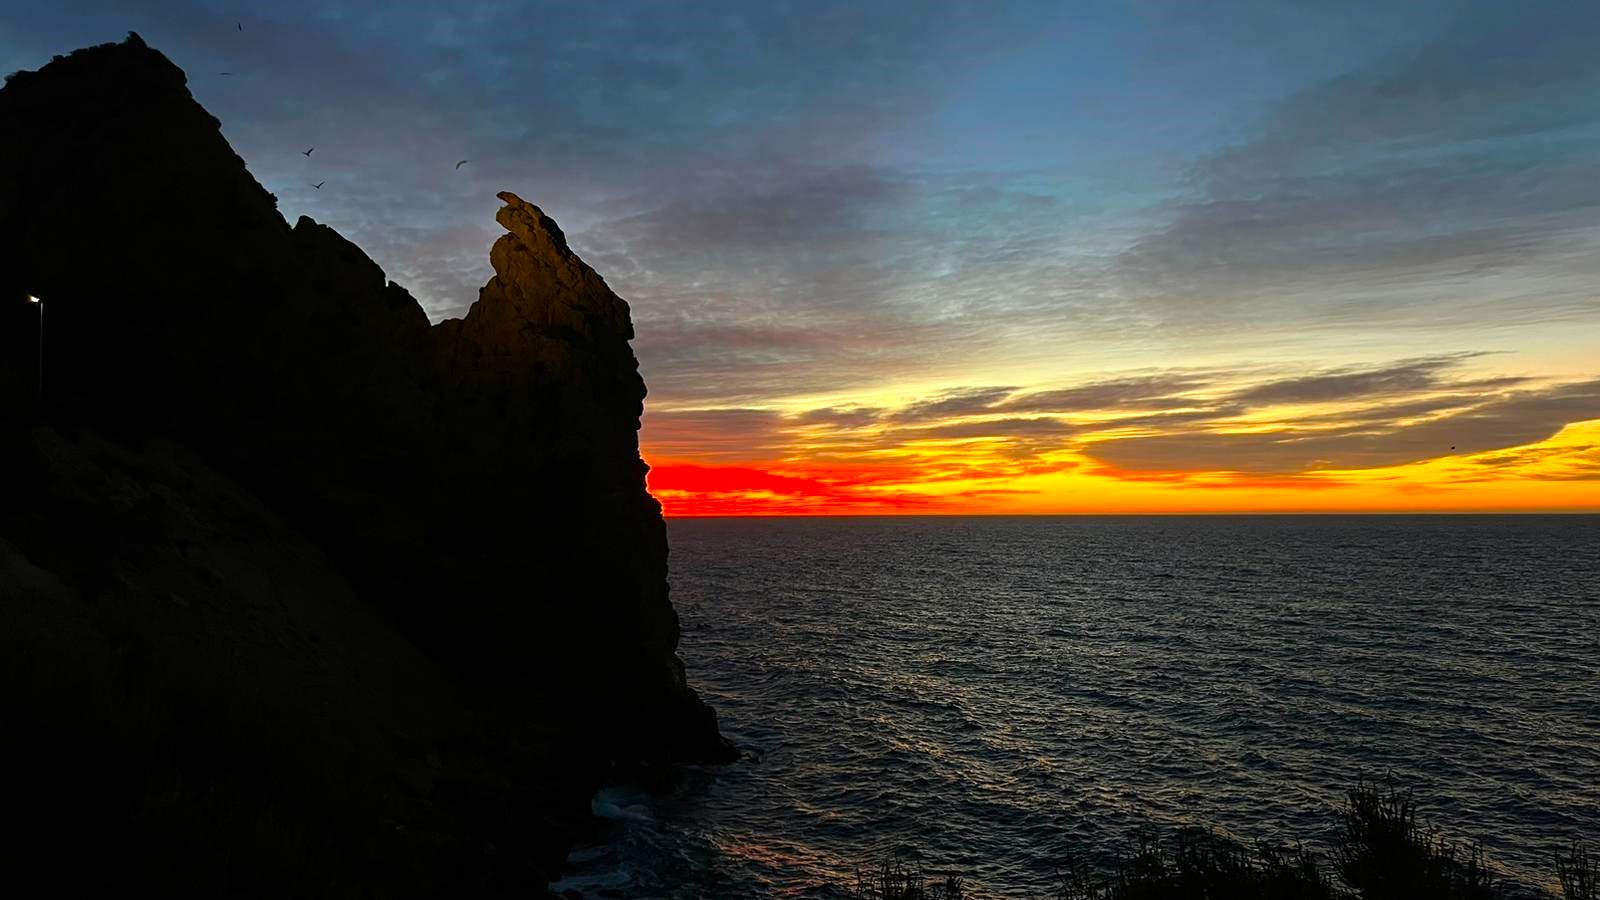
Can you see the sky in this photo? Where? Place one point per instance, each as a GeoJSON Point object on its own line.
{"type": "Point", "coordinates": [989, 257]}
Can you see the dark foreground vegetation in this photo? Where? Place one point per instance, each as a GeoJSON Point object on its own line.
{"type": "Point", "coordinates": [1383, 852]}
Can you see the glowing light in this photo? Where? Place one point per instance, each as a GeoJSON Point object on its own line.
{"type": "Point", "coordinates": [1561, 473]}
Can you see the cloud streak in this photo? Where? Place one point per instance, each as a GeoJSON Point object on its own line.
{"type": "Point", "coordinates": [1406, 180]}
{"type": "Point", "coordinates": [1210, 429]}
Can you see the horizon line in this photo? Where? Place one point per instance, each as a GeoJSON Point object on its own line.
{"type": "Point", "coordinates": [1133, 515]}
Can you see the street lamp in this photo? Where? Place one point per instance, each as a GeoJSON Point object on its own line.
{"type": "Point", "coordinates": [40, 303]}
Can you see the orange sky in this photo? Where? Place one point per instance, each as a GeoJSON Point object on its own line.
{"type": "Point", "coordinates": [1369, 439]}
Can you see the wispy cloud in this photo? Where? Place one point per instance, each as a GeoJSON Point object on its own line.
{"type": "Point", "coordinates": [1146, 392]}
{"type": "Point", "coordinates": [961, 401]}
{"type": "Point", "coordinates": [1510, 420]}
{"type": "Point", "coordinates": [1384, 192]}
{"type": "Point", "coordinates": [1355, 383]}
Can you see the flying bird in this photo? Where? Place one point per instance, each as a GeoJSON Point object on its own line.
{"type": "Point", "coordinates": [308, 152]}
{"type": "Point", "coordinates": [462, 163]}
{"type": "Point", "coordinates": [224, 73]}
{"type": "Point", "coordinates": [240, 24]}
{"type": "Point", "coordinates": [319, 184]}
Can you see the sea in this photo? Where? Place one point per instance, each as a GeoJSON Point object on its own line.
{"type": "Point", "coordinates": [993, 697]}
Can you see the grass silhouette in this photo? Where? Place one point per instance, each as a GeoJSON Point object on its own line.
{"type": "Point", "coordinates": [1383, 851]}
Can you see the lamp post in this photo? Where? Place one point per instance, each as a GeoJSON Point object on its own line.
{"type": "Point", "coordinates": [40, 303]}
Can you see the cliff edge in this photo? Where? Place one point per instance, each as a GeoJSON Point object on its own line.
{"type": "Point", "coordinates": [349, 602]}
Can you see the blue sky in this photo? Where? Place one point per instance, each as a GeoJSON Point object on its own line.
{"type": "Point", "coordinates": [818, 205]}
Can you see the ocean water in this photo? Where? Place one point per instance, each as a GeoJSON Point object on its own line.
{"type": "Point", "coordinates": [990, 695]}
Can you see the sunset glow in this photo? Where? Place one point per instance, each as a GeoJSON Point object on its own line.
{"type": "Point", "coordinates": [1022, 257]}
{"type": "Point", "coordinates": [1356, 457]}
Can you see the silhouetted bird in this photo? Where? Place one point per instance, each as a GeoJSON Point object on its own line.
{"type": "Point", "coordinates": [240, 24]}
{"type": "Point", "coordinates": [224, 73]}
{"type": "Point", "coordinates": [1452, 446]}
{"type": "Point", "coordinates": [308, 152]}
{"type": "Point", "coordinates": [462, 163]}
{"type": "Point", "coordinates": [319, 185]}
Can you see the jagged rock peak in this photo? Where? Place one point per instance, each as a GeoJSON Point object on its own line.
{"type": "Point", "coordinates": [529, 223]}
{"type": "Point", "coordinates": [539, 279]}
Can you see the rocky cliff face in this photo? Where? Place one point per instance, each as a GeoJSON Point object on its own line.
{"type": "Point", "coordinates": [467, 499]}
{"type": "Point", "coordinates": [542, 379]}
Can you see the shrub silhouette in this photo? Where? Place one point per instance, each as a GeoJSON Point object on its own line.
{"type": "Point", "coordinates": [892, 879]}
{"type": "Point", "coordinates": [1199, 863]}
{"type": "Point", "coordinates": [1579, 874]}
{"type": "Point", "coordinates": [1383, 851]}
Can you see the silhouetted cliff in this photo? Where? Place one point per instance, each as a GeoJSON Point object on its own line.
{"type": "Point", "coordinates": [265, 497]}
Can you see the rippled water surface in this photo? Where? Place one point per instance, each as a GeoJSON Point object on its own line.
{"type": "Point", "coordinates": [999, 692]}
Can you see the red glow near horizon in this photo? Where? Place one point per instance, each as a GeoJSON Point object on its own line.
{"type": "Point", "coordinates": [690, 489]}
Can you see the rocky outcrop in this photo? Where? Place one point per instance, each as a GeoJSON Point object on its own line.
{"type": "Point", "coordinates": [465, 499]}
{"type": "Point", "coordinates": [543, 381]}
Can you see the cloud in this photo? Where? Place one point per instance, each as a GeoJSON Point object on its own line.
{"type": "Point", "coordinates": [752, 208]}
{"type": "Point", "coordinates": [1143, 392]}
{"type": "Point", "coordinates": [1359, 417]}
{"type": "Point", "coordinates": [894, 275]}
{"type": "Point", "coordinates": [989, 448]}
{"type": "Point", "coordinates": [1511, 420]}
{"type": "Point", "coordinates": [1206, 414]}
{"type": "Point", "coordinates": [1400, 186]}
{"type": "Point", "coordinates": [1587, 455]}
{"type": "Point", "coordinates": [716, 358]}
{"type": "Point", "coordinates": [957, 402]}
{"type": "Point", "coordinates": [1183, 423]}
{"type": "Point", "coordinates": [988, 428]}
{"type": "Point", "coordinates": [1351, 383]}
{"type": "Point", "coordinates": [841, 416]}
{"type": "Point", "coordinates": [1566, 462]}
{"type": "Point", "coordinates": [714, 434]}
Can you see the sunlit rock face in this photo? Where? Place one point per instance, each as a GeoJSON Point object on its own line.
{"type": "Point", "coordinates": [477, 483]}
